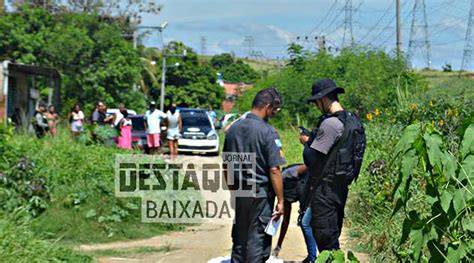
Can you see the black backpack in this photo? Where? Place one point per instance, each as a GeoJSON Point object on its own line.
{"type": "Point", "coordinates": [351, 147]}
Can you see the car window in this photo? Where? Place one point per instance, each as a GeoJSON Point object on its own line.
{"type": "Point", "coordinates": [193, 119]}
{"type": "Point", "coordinates": [138, 124]}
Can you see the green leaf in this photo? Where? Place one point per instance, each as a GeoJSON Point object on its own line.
{"type": "Point", "coordinates": [445, 199]}
{"type": "Point", "coordinates": [91, 213]}
{"type": "Point", "coordinates": [352, 258]}
{"type": "Point", "coordinates": [406, 229]}
{"type": "Point", "coordinates": [410, 134]}
{"type": "Point", "coordinates": [454, 253]}
{"type": "Point", "coordinates": [467, 145]}
{"type": "Point", "coordinates": [417, 238]}
{"type": "Point", "coordinates": [323, 257]}
{"type": "Point", "coordinates": [338, 256]}
{"type": "Point", "coordinates": [468, 224]}
{"type": "Point", "coordinates": [435, 154]}
{"type": "Point", "coordinates": [402, 188]}
{"type": "Point", "coordinates": [458, 200]}
{"type": "Point", "coordinates": [467, 169]}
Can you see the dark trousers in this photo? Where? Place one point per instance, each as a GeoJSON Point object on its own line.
{"type": "Point", "coordinates": [327, 205]}
{"type": "Point", "coordinates": [250, 242]}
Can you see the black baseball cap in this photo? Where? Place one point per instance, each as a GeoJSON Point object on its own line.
{"type": "Point", "coordinates": [322, 88]}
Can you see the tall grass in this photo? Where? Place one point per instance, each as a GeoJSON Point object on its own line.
{"type": "Point", "coordinates": [83, 206]}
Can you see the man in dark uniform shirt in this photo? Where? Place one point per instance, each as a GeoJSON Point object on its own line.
{"type": "Point", "coordinates": [328, 192]}
{"type": "Point", "coordinates": [254, 135]}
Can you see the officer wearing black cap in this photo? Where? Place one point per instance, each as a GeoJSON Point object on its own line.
{"type": "Point", "coordinates": [327, 194]}
{"type": "Point", "coordinates": [253, 134]}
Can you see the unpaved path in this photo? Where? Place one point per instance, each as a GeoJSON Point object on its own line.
{"type": "Point", "coordinates": [203, 242]}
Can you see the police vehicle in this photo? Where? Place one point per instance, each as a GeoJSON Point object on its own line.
{"type": "Point", "coordinates": [199, 134]}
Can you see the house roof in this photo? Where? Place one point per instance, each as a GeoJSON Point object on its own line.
{"type": "Point", "coordinates": [34, 70]}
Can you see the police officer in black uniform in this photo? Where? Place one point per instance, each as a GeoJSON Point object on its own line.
{"type": "Point", "coordinates": [328, 192]}
{"type": "Point", "coordinates": [253, 134]}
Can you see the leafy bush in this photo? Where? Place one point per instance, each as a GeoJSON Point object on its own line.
{"type": "Point", "coordinates": [233, 70]}
{"type": "Point", "coordinates": [95, 61]}
{"type": "Point", "coordinates": [444, 229]}
{"type": "Point", "coordinates": [80, 179]}
{"type": "Point", "coordinates": [370, 78]}
{"type": "Point", "coordinates": [20, 244]}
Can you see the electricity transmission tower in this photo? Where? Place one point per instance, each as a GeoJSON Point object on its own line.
{"type": "Point", "coordinates": [203, 45]}
{"type": "Point", "coordinates": [248, 40]}
{"type": "Point", "coordinates": [347, 38]}
{"type": "Point", "coordinates": [468, 48]}
{"type": "Point", "coordinates": [419, 36]}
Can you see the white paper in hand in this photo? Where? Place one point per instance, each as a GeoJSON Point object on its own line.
{"type": "Point", "coordinates": [273, 225]}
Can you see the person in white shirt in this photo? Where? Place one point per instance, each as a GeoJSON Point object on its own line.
{"type": "Point", "coordinates": [153, 118]}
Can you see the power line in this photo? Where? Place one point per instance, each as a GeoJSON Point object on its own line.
{"type": "Point", "coordinates": [379, 21]}
{"type": "Point", "coordinates": [326, 31]}
{"type": "Point", "coordinates": [388, 25]}
{"type": "Point", "coordinates": [332, 8]}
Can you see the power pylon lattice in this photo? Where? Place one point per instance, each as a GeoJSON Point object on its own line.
{"type": "Point", "coordinates": [347, 38]}
{"type": "Point", "coordinates": [248, 40]}
{"type": "Point", "coordinates": [203, 45]}
{"type": "Point", "coordinates": [468, 48]}
{"type": "Point", "coordinates": [419, 35]}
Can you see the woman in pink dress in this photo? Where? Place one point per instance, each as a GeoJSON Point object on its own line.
{"type": "Point", "coordinates": [125, 138]}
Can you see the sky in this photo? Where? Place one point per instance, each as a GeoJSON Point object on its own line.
{"type": "Point", "coordinates": [273, 24]}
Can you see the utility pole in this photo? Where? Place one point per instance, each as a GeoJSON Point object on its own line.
{"type": "Point", "coordinates": [419, 36]}
{"type": "Point", "coordinates": [399, 33]}
{"type": "Point", "coordinates": [348, 33]}
{"type": "Point", "coordinates": [322, 42]}
{"type": "Point", "coordinates": [468, 48]}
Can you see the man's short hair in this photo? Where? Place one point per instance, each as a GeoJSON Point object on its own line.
{"type": "Point", "coordinates": [267, 96]}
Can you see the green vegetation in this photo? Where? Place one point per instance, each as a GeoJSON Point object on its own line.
{"type": "Point", "coordinates": [444, 228]}
{"type": "Point", "coordinates": [191, 84]}
{"type": "Point", "coordinates": [364, 73]}
{"type": "Point", "coordinates": [129, 252]}
{"type": "Point", "coordinates": [96, 62]}
{"type": "Point", "coordinates": [65, 190]}
{"type": "Point", "coordinates": [20, 244]}
{"type": "Point", "coordinates": [233, 70]}
{"type": "Point", "coordinates": [432, 221]}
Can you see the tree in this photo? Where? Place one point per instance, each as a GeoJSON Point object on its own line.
{"type": "Point", "coordinates": [96, 62]}
{"type": "Point", "coordinates": [191, 84]}
{"type": "Point", "coordinates": [221, 61]}
{"type": "Point", "coordinates": [239, 72]}
{"type": "Point", "coordinates": [297, 56]}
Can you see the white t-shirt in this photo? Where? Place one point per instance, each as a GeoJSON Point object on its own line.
{"type": "Point", "coordinates": [153, 120]}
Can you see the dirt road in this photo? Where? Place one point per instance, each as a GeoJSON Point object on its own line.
{"type": "Point", "coordinates": [202, 243]}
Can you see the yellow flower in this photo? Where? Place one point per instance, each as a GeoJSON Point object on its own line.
{"type": "Point", "coordinates": [377, 112]}
{"type": "Point", "coordinates": [369, 116]}
{"type": "Point", "coordinates": [440, 123]}
{"type": "Point", "coordinates": [413, 107]}
{"type": "Point", "coordinates": [431, 103]}
{"type": "Point", "coordinates": [456, 112]}
{"type": "Point", "coordinates": [450, 113]}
